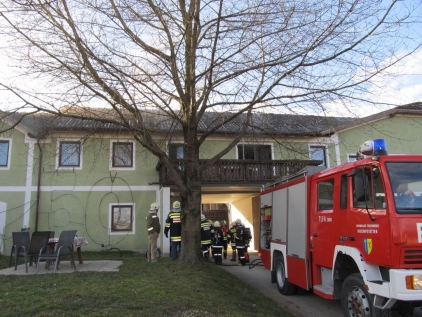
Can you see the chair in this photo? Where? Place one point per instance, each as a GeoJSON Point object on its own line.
{"type": "Point", "coordinates": [64, 248]}
{"type": "Point", "coordinates": [31, 247]}
{"type": "Point", "coordinates": [20, 247]}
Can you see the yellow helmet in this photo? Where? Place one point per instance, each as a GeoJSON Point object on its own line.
{"type": "Point", "coordinates": [176, 204]}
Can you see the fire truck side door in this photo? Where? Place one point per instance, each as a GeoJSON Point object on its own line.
{"type": "Point", "coordinates": [322, 226]}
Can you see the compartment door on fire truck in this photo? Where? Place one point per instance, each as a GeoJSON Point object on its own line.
{"type": "Point", "coordinates": [322, 225]}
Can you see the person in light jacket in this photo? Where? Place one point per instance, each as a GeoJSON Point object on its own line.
{"type": "Point", "coordinates": [153, 228]}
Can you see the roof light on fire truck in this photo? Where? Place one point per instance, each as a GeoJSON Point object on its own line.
{"type": "Point", "coordinates": [374, 147]}
{"type": "Point", "coordinates": [414, 282]}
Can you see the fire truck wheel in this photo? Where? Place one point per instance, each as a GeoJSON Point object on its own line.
{"type": "Point", "coordinates": [283, 285]}
{"type": "Point", "coordinates": [356, 301]}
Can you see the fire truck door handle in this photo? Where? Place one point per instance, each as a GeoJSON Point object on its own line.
{"type": "Point", "coordinates": [315, 235]}
{"type": "Point", "coordinates": [352, 238]}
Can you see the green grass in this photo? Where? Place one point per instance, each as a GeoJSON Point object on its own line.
{"type": "Point", "coordinates": [166, 288]}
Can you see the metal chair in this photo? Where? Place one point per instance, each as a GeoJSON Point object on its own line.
{"type": "Point", "coordinates": [39, 240]}
{"type": "Point", "coordinates": [20, 247]}
{"type": "Point", "coordinates": [64, 248]}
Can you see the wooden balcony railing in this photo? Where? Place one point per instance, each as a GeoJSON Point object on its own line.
{"type": "Point", "coordinates": [242, 171]}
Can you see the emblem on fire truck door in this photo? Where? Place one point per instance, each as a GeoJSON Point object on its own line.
{"type": "Point", "coordinates": [367, 244]}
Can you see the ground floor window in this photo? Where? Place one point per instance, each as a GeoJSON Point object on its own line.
{"type": "Point", "coordinates": [121, 218]}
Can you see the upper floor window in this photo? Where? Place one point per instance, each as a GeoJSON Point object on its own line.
{"type": "Point", "coordinates": [122, 155]}
{"type": "Point", "coordinates": [254, 152]}
{"type": "Point", "coordinates": [121, 218]}
{"type": "Point", "coordinates": [4, 153]}
{"type": "Point", "coordinates": [318, 153]}
{"type": "Point", "coordinates": [70, 153]}
{"type": "Point", "coordinates": [176, 151]}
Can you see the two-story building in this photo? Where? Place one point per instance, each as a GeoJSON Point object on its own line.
{"type": "Point", "coordinates": [64, 173]}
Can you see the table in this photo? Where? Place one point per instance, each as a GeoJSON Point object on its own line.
{"type": "Point", "coordinates": [77, 243]}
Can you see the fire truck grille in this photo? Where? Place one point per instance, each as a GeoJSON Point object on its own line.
{"type": "Point", "coordinates": [412, 258]}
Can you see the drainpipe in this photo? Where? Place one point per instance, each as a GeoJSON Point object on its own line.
{"type": "Point", "coordinates": [37, 210]}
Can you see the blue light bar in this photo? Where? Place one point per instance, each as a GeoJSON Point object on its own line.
{"type": "Point", "coordinates": [374, 147]}
{"type": "Point", "coordinates": [380, 147]}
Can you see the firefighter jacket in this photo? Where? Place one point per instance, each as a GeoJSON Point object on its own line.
{"type": "Point", "coordinates": [206, 231]}
{"type": "Point", "coordinates": [217, 237]}
{"type": "Point", "coordinates": [153, 223]}
{"type": "Point", "coordinates": [240, 242]}
{"type": "Point", "coordinates": [174, 225]}
{"type": "Point", "coordinates": [232, 236]}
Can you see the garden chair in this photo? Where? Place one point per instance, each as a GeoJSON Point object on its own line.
{"type": "Point", "coordinates": [64, 248]}
{"type": "Point", "coordinates": [20, 247]}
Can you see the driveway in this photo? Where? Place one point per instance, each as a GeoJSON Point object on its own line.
{"type": "Point", "coordinates": [304, 305]}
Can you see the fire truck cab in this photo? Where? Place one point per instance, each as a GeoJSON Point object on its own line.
{"type": "Point", "coordinates": [352, 232]}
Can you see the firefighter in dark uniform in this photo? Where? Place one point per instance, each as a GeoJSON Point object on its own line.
{"type": "Point", "coordinates": [232, 239]}
{"type": "Point", "coordinates": [217, 243]}
{"type": "Point", "coordinates": [225, 230]}
{"type": "Point", "coordinates": [240, 243]}
{"type": "Point", "coordinates": [174, 225]}
{"type": "Point", "coordinates": [206, 227]}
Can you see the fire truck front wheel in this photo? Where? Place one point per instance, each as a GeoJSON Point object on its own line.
{"type": "Point", "coordinates": [283, 285]}
{"type": "Point", "coordinates": [356, 301]}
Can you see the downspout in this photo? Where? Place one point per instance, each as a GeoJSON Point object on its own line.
{"type": "Point", "coordinates": [37, 208]}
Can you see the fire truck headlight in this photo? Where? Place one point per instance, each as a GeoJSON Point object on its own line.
{"type": "Point", "coordinates": [414, 282]}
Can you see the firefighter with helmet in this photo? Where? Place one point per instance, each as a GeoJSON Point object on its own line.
{"type": "Point", "coordinates": [232, 239]}
{"type": "Point", "coordinates": [206, 227]}
{"type": "Point", "coordinates": [240, 242]}
{"type": "Point", "coordinates": [153, 229]}
{"type": "Point", "coordinates": [217, 243]}
{"type": "Point", "coordinates": [174, 225]}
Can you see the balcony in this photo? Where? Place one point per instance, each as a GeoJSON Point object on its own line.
{"type": "Point", "coordinates": [241, 171]}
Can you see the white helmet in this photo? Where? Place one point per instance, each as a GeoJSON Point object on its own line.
{"type": "Point", "coordinates": [202, 217]}
{"type": "Point", "coordinates": [233, 223]}
{"type": "Point", "coordinates": [238, 222]}
{"type": "Point", "coordinates": [176, 204]}
{"type": "Point", "coordinates": [154, 207]}
{"type": "Point", "coordinates": [216, 224]}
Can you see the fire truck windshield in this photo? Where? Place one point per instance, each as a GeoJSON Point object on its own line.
{"type": "Point", "coordinates": [406, 182]}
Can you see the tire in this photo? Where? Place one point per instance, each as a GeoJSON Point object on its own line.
{"type": "Point", "coordinates": [283, 285]}
{"type": "Point", "coordinates": [356, 301]}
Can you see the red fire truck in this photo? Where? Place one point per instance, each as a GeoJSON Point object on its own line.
{"type": "Point", "coordinates": [352, 232]}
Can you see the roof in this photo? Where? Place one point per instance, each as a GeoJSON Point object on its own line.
{"type": "Point", "coordinates": [261, 123]}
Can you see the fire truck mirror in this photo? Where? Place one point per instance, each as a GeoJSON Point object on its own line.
{"type": "Point", "coordinates": [361, 187]}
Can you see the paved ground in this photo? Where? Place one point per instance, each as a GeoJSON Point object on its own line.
{"type": "Point", "coordinates": [303, 305]}
{"type": "Point", "coordinates": [65, 267]}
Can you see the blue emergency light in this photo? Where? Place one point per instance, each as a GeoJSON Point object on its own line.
{"type": "Point", "coordinates": [374, 147]}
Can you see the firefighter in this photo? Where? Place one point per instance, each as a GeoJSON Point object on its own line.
{"type": "Point", "coordinates": [205, 236]}
{"type": "Point", "coordinates": [175, 226]}
{"type": "Point", "coordinates": [240, 242]}
{"type": "Point", "coordinates": [217, 243]}
{"type": "Point", "coordinates": [225, 230]}
{"type": "Point", "coordinates": [153, 229]}
{"type": "Point", "coordinates": [232, 238]}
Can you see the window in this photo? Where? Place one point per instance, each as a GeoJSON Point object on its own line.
{"type": "Point", "coordinates": [4, 153]}
{"type": "Point", "coordinates": [343, 191]}
{"type": "Point", "coordinates": [70, 154]}
{"type": "Point", "coordinates": [176, 151]}
{"type": "Point", "coordinates": [122, 155]}
{"type": "Point", "coordinates": [121, 218]}
{"type": "Point", "coordinates": [368, 189]}
{"type": "Point", "coordinates": [325, 195]}
{"type": "Point", "coordinates": [318, 153]}
{"type": "Point", "coordinates": [254, 152]}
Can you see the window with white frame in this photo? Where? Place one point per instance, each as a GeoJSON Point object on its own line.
{"type": "Point", "coordinates": [4, 154]}
{"type": "Point", "coordinates": [317, 152]}
{"type": "Point", "coordinates": [254, 151]}
{"type": "Point", "coordinates": [70, 154]}
{"type": "Point", "coordinates": [122, 155]}
{"type": "Point", "coordinates": [122, 218]}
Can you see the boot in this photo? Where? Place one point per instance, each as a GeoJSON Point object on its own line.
{"type": "Point", "coordinates": [225, 254]}
{"type": "Point", "coordinates": [233, 256]}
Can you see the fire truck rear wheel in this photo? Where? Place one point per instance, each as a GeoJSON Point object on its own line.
{"type": "Point", "coordinates": [283, 285]}
{"type": "Point", "coordinates": [356, 301]}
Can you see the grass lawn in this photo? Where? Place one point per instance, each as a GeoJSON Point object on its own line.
{"type": "Point", "coordinates": [165, 288]}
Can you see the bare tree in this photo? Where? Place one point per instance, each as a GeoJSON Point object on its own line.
{"type": "Point", "coordinates": [183, 58]}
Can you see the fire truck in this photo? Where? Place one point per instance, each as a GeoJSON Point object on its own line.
{"type": "Point", "coordinates": [351, 232]}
